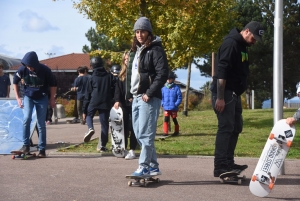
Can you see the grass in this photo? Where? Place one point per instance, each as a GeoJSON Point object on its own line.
{"type": "Point", "coordinates": [198, 131]}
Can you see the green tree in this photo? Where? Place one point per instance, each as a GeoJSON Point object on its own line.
{"type": "Point", "coordinates": [261, 54]}
{"type": "Point", "coordinates": [102, 42]}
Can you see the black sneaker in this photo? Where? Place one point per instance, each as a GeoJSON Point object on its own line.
{"type": "Point", "coordinates": [88, 135]}
{"type": "Point", "coordinates": [239, 167]}
{"type": "Point", "coordinates": [25, 149]}
{"type": "Point", "coordinates": [103, 149]}
{"type": "Point", "coordinates": [42, 154]}
{"type": "Point", "coordinates": [218, 172]}
{"type": "Point", "coordinates": [175, 133]}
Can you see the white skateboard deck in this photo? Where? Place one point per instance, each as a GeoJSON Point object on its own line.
{"type": "Point", "coordinates": [117, 132]}
{"type": "Point", "coordinates": [272, 158]}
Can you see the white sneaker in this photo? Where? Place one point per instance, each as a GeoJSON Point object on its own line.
{"type": "Point", "coordinates": [130, 155]}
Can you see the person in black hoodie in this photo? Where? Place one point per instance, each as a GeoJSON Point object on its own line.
{"type": "Point", "coordinates": [37, 79]}
{"type": "Point", "coordinates": [229, 82]}
{"type": "Point", "coordinates": [98, 98]}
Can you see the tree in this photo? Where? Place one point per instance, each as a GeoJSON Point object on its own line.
{"type": "Point", "coordinates": [188, 29]}
{"type": "Point", "coordinates": [102, 42]}
{"type": "Point", "coordinates": [261, 54]}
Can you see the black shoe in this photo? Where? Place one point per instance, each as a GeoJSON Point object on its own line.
{"type": "Point", "coordinates": [175, 133]}
{"type": "Point", "coordinates": [25, 149]}
{"type": "Point", "coordinates": [42, 154]}
{"type": "Point", "coordinates": [218, 172]}
{"type": "Point", "coordinates": [103, 149]}
{"type": "Point", "coordinates": [239, 167]}
{"type": "Point", "coordinates": [88, 135]}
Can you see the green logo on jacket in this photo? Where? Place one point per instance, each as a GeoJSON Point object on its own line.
{"type": "Point", "coordinates": [244, 56]}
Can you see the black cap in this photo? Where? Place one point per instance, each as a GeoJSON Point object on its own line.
{"type": "Point", "coordinates": [256, 29]}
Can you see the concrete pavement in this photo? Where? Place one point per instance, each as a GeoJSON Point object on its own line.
{"type": "Point", "coordinates": [81, 177]}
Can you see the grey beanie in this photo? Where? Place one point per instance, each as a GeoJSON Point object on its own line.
{"type": "Point", "coordinates": [143, 23]}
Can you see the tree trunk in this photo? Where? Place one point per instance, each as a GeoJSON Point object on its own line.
{"type": "Point", "coordinates": [186, 97]}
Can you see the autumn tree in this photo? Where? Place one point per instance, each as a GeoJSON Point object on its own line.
{"type": "Point", "coordinates": [188, 29]}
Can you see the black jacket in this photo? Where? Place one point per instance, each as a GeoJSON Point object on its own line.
{"type": "Point", "coordinates": [120, 93]}
{"type": "Point", "coordinates": [153, 70]}
{"type": "Point", "coordinates": [98, 93]}
{"type": "Point", "coordinates": [233, 64]}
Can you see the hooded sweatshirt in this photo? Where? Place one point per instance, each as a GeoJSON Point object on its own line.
{"type": "Point", "coordinates": [98, 92]}
{"type": "Point", "coordinates": [37, 83]}
{"type": "Point", "coordinates": [233, 64]}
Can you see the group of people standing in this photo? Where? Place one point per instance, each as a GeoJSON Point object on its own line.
{"type": "Point", "coordinates": [145, 84]}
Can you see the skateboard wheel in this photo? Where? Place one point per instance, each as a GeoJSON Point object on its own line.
{"type": "Point", "coordinates": [289, 143]}
{"type": "Point", "coordinates": [129, 183]}
{"type": "Point", "coordinates": [13, 157]}
{"type": "Point", "coordinates": [239, 182]}
{"type": "Point", "coordinates": [157, 180]}
{"type": "Point", "coordinates": [34, 155]}
{"type": "Point", "coordinates": [25, 157]}
{"type": "Point", "coordinates": [244, 177]}
{"type": "Point", "coordinates": [145, 184]}
{"type": "Point", "coordinates": [142, 181]}
{"type": "Point", "coordinates": [253, 178]}
{"type": "Point", "coordinates": [221, 181]}
{"type": "Point", "coordinates": [271, 137]}
{"type": "Point", "coordinates": [271, 185]}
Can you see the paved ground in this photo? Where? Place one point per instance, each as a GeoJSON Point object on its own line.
{"type": "Point", "coordinates": [81, 177]}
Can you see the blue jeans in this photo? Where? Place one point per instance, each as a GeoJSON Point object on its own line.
{"type": "Point", "coordinates": [230, 125]}
{"type": "Point", "coordinates": [41, 106]}
{"type": "Point", "coordinates": [103, 117]}
{"type": "Point", "coordinates": [144, 121]}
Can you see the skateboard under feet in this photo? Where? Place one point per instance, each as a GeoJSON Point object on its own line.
{"type": "Point", "coordinates": [141, 181]}
{"type": "Point", "coordinates": [21, 155]}
{"type": "Point", "coordinates": [232, 177]}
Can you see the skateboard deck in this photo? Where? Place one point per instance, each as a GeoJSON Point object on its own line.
{"type": "Point", "coordinates": [117, 132]}
{"type": "Point", "coordinates": [141, 181]}
{"type": "Point", "coordinates": [232, 177]}
{"type": "Point", "coordinates": [21, 155]}
{"type": "Point", "coordinates": [161, 137]}
{"type": "Point", "coordinates": [272, 158]}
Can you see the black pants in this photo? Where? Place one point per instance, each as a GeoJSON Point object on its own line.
{"type": "Point", "coordinates": [230, 125]}
{"type": "Point", "coordinates": [103, 117]}
{"type": "Point", "coordinates": [127, 118]}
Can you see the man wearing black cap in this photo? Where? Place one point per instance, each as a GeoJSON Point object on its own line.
{"type": "Point", "coordinates": [229, 82]}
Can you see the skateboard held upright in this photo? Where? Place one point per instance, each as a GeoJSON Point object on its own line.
{"type": "Point", "coordinates": [117, 132]}
{"type": "Point", "coordinates": [272, 158]}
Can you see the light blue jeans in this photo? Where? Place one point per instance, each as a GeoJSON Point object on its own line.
{"type": "Point", "coordinates": [144, 121]}
{"type": "Point", "coordinates": [41, 112]}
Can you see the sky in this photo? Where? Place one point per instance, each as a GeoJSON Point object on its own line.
{"type": "Point", "coordinates": [53, 29]}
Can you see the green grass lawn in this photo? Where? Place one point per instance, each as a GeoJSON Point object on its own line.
{"type": "Point", "coordinates": [198, 130]}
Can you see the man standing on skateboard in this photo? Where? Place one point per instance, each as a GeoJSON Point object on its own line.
{"type": "Point", "coordinates": [229, 82]}
{"type": "Point", "coordinates": [38, 78]}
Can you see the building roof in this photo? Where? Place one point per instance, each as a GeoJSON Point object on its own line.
{"type": "Point", "coordinates": [69, 62]}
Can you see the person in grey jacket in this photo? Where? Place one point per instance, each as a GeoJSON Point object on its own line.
{"type": "Point", "coordinates": [146, 74]}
